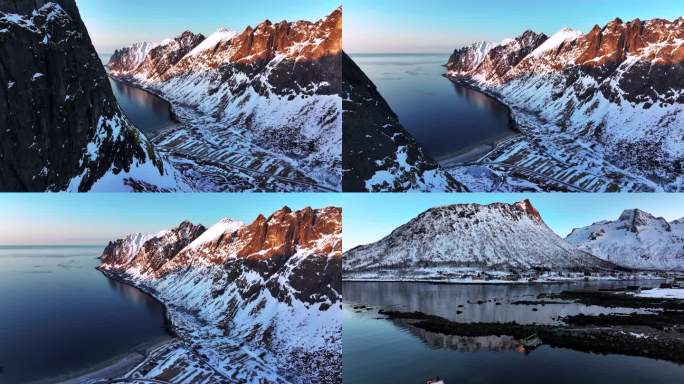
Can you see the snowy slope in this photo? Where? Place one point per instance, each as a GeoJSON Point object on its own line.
{"type": "Point", "coordinates": [446, 241]}
{"type": "Point", "coordinates": [261, 301]}
{"type": "Point", "coordinates": [618, 91]}
{"type": "Point", "coordinates": [268, 95]}
{"type": "Point", "coordinates": [636, 239]}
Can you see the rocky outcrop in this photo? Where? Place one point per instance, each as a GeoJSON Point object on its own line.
{"type": "Point", "coordinates": [60, 125]}
{"type": "Point", "coordinates": [636, 239]}
{"type": "Point", "coordinates": [470, 239]}
{"type": "Point", "coordinates": [497, 59]}
{"type": "Point", "coordinates": [269, 94]}
{"type": "Point", "coordinates": [273, 285]}
{"type": "Point", "coordinates": [147, 254]}
{"type": "Point", "coordinates": [618, 89]}
{"type": "Point", "coordinates": [378, 153]}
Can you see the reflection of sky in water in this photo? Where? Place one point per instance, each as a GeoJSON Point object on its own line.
{"type": "Point", "coordinates": [59, 314]}
{"type": "Point", "coordinates": [444, 118]}
{"type": "Point", "coordinates": [384, 352]}
{"type": "Point", "coordinates": [148, 112]}
{"type": "Point", "coordinates": [447, 300]}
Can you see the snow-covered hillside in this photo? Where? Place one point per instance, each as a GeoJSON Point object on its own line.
{"type": "Point", "coordinates": [636, 239]}
{"type": "Point", "coordinates": [452, 241]}
{"type": "Point", "coordinates": [60, 125]}
{"type": "Point", "coordinates": [607, 105]}
{"type": "Point", "coordinates": [261, 107]}
{"type": "Point", "coordinates": [256, 302]}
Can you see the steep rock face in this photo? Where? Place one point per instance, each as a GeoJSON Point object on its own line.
{"type": "Point", "coordinates": [157, 60]}
{"type": "Point", "coordinates": [617, 88]}
{"type": "Point", "coordinates": [636, 239]}
{"type": "Point", "coordinates": [274, 87]}
{"type": "Point", "coordinates": [274, 284]}
{"type": "Point", "coordinates": [129, 58]}
{"type": "Point", "coordinates": [378, 153]}
{"type": "Point", "coordinates": [444, 240]}
{"type": "Point", "coordinates": [60, 125]}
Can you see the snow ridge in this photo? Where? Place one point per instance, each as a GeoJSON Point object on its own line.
{"type": "Point", "coordinates": [256, 295]}
{"type": "Point", "coordinates": [636, 239]}
{"type": "Point", "coordinates": [448, 242]}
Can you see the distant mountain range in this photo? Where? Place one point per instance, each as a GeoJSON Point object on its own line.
{"type": "Point", "coordinates": [468, 240]}
{"type": "Point", "coordinates": [261, 107]}
{"type": "Point", "coordinates": [510, 241]}
{"type": "Point", "coordinates": [257, 302]}
{"type": "Point", "coordinates": [599, 111]}
{"type": "Point", "coordinates": [636, 239]}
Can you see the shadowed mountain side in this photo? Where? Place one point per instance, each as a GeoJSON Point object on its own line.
{"type": "Point", "coordinates": [378, 154]}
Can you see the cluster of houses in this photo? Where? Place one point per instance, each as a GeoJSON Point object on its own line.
{"type": "Point", "coordinates": [677, 282]}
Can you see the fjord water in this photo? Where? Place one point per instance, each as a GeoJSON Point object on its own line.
{"type": "Point", "coordinates": [147, 111]}
{"type": "Point", "coordinates": [383, 351]}
{"type": "Point", "coordinates": [60, 316]}
{"type": "Point", "coordinates": [443, 117]}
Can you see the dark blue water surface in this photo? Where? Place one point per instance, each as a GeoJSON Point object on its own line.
{"type": "Point", "coordinates": [147, 111]}
{"type": "Point", "coordinates": [443, 117]}
{"type": "Point", "coordinates": [59, 316]}
{"type": "Point", "coordinates": [383, 351]}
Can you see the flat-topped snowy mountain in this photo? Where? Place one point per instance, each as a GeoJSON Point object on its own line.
{"type": "Point", "coordinates": [260, 301]}
{"type": "Point", "coordinates": [60, 126]}
{"type": "Point", "coordinates": [636, 239]}
{"type": "Point", "coordinates": [379, 155]}
{"type": "Point", "coordinates": [446, 242]}
{"type": "Point", "coordinates": [261, 107]}
{"type": "Point", "coordinates": [618, 89]}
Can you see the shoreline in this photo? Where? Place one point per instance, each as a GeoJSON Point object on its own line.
{"type": "Point", "coordinates": [121, 365]}
{"type": "Point", "coordinates": [133, 84]}
{"type": "Point", "coordinates": [117, 366]}
{"type": "Point", "coordinates": [462, 82]}
{"type": "Point", "coordinates": [492, 282]}
{"type": "Point", "coordinates": [475, 152]}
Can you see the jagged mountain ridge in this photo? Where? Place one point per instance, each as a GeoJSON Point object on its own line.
{"type": "Point", "coordinates": [445, 240]}
{"type": "Point", "coordinates": [378, 154]}
{"type": "Point", "coordinates": [60, 126]}
{"type": "Point", "coordinates": [636, 240]}
{"type": "Point", "coordinates": [268, 95]}
{"type": "Point", "coordinates": [273, 285]}
{"type": "Point", "coordinates": [616, 88]}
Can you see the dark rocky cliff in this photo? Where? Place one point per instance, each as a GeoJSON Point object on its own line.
{"type": "Point", "coordinates": [60, 125]}
{"type": "Point", "coordinates": [373, 138]}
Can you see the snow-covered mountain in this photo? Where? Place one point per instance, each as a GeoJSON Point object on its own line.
{"type": "Point", "coordinates": [636, 239]}
{"type": "Point", "coordinates": [259, 301]}
{"type": "Point", "coordinates": [261, 107]}
{"type": "Point", "coordinates": [447, 242]}
{"type": "Point", "coordinates": [379, 155]}
{"type": "Point", "coordinates": [60, 125]}
{"type": "Point", "coordinates": [609, 103]}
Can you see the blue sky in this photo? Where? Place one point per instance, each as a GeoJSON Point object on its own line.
{"type": "Point", "coordinates": [98, 218]}
{"type": "Point", "coordinates": [116, 23]}
{"type": "Point", "coordinates": [368, 218]}
{"type": "Point", "coordinates": [439, 26]}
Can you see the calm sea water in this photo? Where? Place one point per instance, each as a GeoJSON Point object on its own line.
{"type": "Point", "coordinates": [59, 316]}
{"type": "Point", "coordinates": [383, 351]}
{"type": "Point", "coordinates": [150, 113]}
{"type": "Point", "coordinates": [443, 117]}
